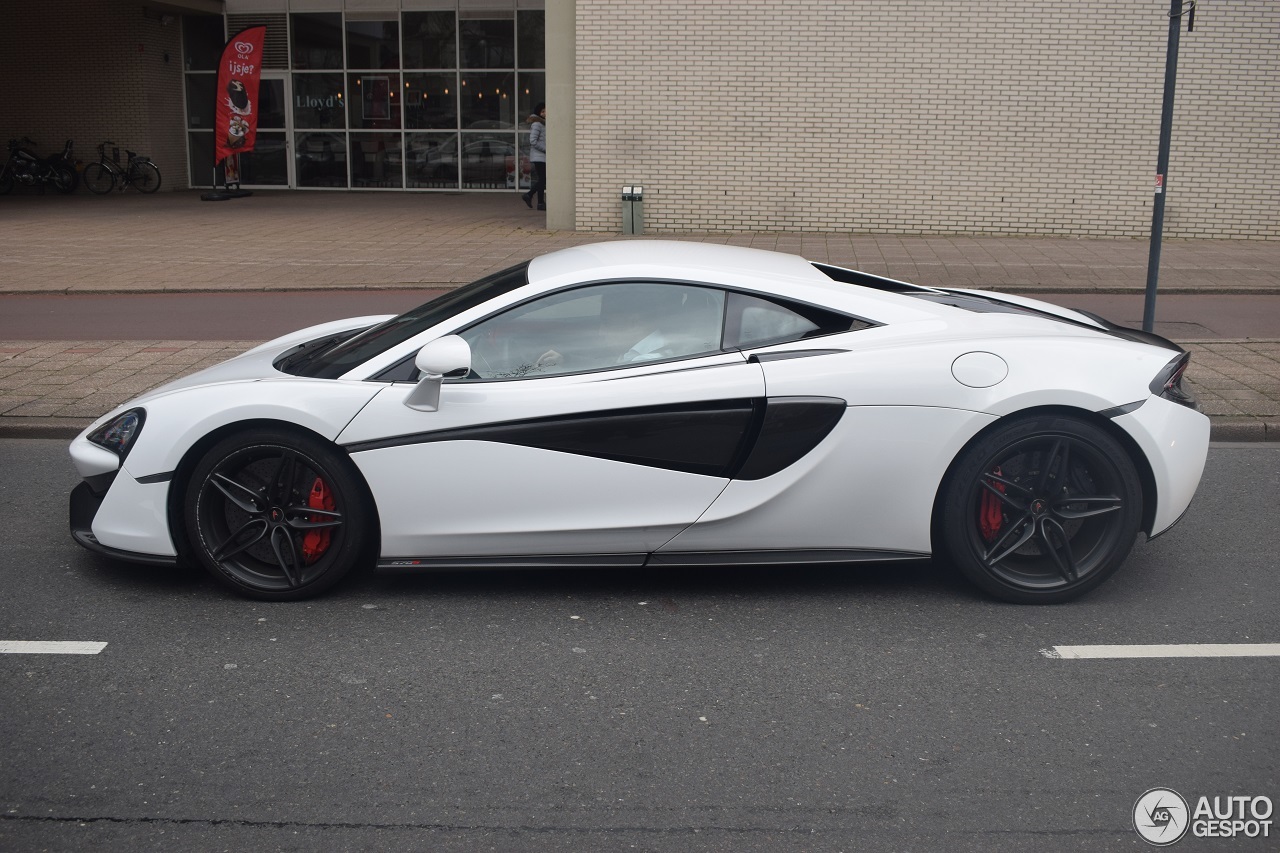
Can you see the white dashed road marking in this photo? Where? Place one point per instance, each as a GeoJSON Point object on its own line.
{"type": "Point", "coordinates": [1177, 650]}
{"type": "Point", "coordinates": [50, 647]}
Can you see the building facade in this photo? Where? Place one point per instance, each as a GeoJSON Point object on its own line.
{"type": "Point", "coordinates": [918, 116]}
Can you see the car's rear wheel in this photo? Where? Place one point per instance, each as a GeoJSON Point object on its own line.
{"type": "Point", "coordinates": [1041, 510]}
{"type": "Point", "coordinates": [276, 515]}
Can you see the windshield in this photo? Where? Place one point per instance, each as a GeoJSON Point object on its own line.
{"type": "Point", "coordinates": [332, 358]}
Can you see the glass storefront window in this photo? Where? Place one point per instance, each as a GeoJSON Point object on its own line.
{"type": "Point", "coordinates": [531, 50]}
{"type": "Point", "coordinates": [435, 97]}
{"type": "Point", "coordinates": [488, 161]}
{"type": "Point", "coordinates": [532, 88]}
{"type": "Point", "coordinates": [322, 159]}
{"type": "Point", "coordinates": [202, 42]}
{"type": "Point", "coordinates": [487, 43]}
{"type": "Point", "coordinates": [268, 163]}
{"type": "Point", "coordinates": [374, 101]}
{"type": "Point", "coordinates": [525, 175]}
{"type": "Point", "coordinates": [488, 101]}
{"type": "Point", "coordinates": [201, 100]}
{"type": "Point", "coordinates": [318, 101]}
{"type": "Point", "coordinates": [316, 40]}
{"type": "Point", "coordinates": [373, 44]}
{"type": "Point", "coordinates": [432, 160]}
{"type": "Point", "coordinates": [271, 105]}
{"type": "Point", "coordinates": [200, 151]}
{"type": "Point", "coordinates": [431, 100]}
{"type": "Point", "coordinates": [430, 40]}
{"type": "Point", "coordinates": [375, 160]}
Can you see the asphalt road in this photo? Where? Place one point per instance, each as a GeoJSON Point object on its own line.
{"type": "Point", "coordinates": [868, 708]}
{"type": "Point", "coordinates": [255, 316]}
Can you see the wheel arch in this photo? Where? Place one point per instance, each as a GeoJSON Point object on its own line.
{"type": "Point", "coordinates": [1140, 463]}
{"type": "Point", "coordinates": [182, 476]}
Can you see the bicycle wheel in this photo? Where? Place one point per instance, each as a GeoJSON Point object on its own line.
{"type": "Point", "coordinates": [99, 179]}
{"type": "Point", "coordinates": [145, 176]}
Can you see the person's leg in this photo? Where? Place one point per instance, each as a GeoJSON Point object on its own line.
{"type": "Point", "coordinates": [540, 185]}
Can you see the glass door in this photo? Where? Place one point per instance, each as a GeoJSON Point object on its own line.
{"type": "Point", "coordinates": [269, 164]}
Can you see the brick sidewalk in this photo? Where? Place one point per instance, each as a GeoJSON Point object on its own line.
{"type": "Point", "coordinates": [301, 241]}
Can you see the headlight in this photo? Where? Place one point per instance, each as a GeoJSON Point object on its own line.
{"type": "Point", "coordinates": [118, 434]}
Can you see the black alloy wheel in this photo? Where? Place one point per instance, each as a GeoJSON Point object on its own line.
{"type": "Point", "coordinates": [1042, 509]}
{"type": "Point", "coordinates": [277, 516]}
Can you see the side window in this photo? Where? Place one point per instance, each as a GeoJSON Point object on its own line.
{"type": "Point", "coordinates": [596, 328]}
{"type": "Point", "coordinates": [755, 322]}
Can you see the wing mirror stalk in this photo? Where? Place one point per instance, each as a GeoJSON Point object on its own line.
{"type": "Point", "coordinates": [450, 354]}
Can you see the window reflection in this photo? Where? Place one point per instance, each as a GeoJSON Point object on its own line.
{"type": "Point", "coordinates": [487, 43]}
{"type": "Point", "coordinates": [374, 101]}
{"type": "Point", "coordinates": [432, 160]}
{"type": "Point", "coordinates": [317, 101]}
{"type": "Point", "coordinates": [316, 40]}
{"type": "Point", "coordinates": [268, 163]}
{"type": "Point", "coordinates": [430, 40]}
{"type": "Point", "coordinates": [322, 159]}
{"type": "Point", "coordinates": [373, 44]}
{"type": "Point", "coordinates": [376, 160]}
{"type": "Point", "coordinates": [487, 100]}
{"type": "Point", "coordinates": [431, 100]}
{"type": "Point", "coordinates": [488, 161]}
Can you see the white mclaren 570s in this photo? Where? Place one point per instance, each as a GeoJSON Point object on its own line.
{"type": "Point", "coordinates": [649, 403]}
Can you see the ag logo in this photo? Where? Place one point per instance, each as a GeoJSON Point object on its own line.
{"type": "Point", "coordinates": [1161, 816]}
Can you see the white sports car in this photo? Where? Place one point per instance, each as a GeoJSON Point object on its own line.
{"type": "Point", "coordinates": [667, 404]}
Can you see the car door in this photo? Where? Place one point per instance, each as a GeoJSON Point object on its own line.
{"type": "Point", "coordinates": [565, 443]}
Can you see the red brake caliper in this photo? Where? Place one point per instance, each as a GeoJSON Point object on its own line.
{"type": "Point", "coordinates": [990, 515]}
{"type": "Point", "coordinates": [316, 542]}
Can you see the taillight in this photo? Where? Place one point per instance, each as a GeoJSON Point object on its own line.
{"type": "Point", "coordinates": [1168, 382]}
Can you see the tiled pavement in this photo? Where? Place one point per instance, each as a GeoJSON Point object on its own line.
{"type": "Point", "coordinates": [312, 241]}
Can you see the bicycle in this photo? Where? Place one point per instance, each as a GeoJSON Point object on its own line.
{"type": "Point", "coordinates": [140, 172]}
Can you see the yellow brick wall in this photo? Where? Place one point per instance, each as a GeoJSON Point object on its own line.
{"type": "Point", "coordinates": [926, 116]}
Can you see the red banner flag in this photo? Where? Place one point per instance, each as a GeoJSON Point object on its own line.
{"type": "Point", "coordinates": [236, 123]}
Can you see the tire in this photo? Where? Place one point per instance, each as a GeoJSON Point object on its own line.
{"type": "Point", "coordinates": [252, 520]}
{"type": "Point", "coordinates": [99, 179]}
{"type": "Point", "coordinates": [64, 179]}
{"type": "Point", "coordinates": [6, 182]}
{"type": "Point", "coordinates": [146, 177]}
{"type": "Point", "coordinates": [1041, 510]}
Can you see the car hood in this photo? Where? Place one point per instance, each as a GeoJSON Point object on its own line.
{"type": "Point", "coordinates": [257, 363]}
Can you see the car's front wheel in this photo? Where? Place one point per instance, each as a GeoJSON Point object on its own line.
{"type": "Point", "coordinates": [276, 515]}
{"type": "Point", "coordinates": [1041, 510]}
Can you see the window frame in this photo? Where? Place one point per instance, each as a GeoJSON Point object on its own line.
{"type": "Point", "coordinates": [403, 370]}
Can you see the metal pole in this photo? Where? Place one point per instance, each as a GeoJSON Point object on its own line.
{"type": "Point", "coordinates": [1162, 163]}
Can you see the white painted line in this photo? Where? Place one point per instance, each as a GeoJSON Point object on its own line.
{"type": "Point", "coordinates": [1176, 650]}
{"type": "Point", "coordinates": [49, 647]}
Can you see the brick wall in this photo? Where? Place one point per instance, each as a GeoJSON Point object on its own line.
{"type": "Point", "coordinates": [94, 70]}
{"type": "Point", "coordinates": [925, 116]}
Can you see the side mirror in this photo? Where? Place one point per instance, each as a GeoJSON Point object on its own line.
{"type": "Point", "coordinates": [435, 360]}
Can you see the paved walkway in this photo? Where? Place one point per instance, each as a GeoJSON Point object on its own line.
{"type": "Point", "coordinates": [173, 242]}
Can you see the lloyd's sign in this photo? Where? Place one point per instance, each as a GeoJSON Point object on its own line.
{"type": "Point", "coordinates": [236, 120]}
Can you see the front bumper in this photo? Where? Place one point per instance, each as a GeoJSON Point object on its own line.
{"type": "Point", "coordinates": [85, 503]}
